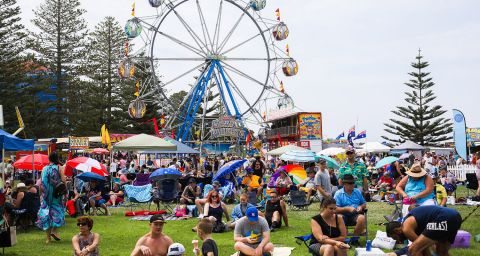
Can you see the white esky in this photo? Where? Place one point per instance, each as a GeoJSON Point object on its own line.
{"type": "Point", "coordinates": [354, 55]}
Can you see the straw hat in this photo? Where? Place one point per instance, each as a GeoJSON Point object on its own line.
{"type": "Point", "coordinates": [416, 171]}
{"type": "Point", "coordinates": [21, 185]}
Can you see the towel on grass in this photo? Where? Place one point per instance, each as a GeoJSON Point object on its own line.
{"type": "Point", "coordinates": [278, 251]}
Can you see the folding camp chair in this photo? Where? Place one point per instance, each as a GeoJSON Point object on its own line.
{"type": "Point", "coordinates": [141, 179]}
{"type": "Point", "coordinates": [167, 192]}
{"type": "Point", "coordinates": [138, 195]}
{"type": "Point", "coordinates": [471, 183]}
{"type": "Point", "coordinates": [352, 238]}
{"type": "Point", "coordinates": [298, 200]}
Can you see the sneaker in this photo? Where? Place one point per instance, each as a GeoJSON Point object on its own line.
{"type": "Point", "coordinates": [201, 216]}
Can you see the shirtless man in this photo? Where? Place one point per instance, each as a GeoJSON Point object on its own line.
{"type": "Point", "coordinates": [155, 243]}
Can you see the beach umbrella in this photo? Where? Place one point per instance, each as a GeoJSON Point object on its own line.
{"type": "Point", "coordinates": [333, 151]}
{"type": "Point", "coordinates": [86, 164]}
{"type": "Point", "coordinates": [228, 168]}
{"type": "Point", "coordinates": [89, 176]}
{"type": "Point", "coordinates": [38, 160]}
{"type": "Point", "coordinates": [298, 156]}
{"type": "Point", "coordinates": [331, 163]}
{"type": "Point", "coordinates": [295, 171]}
{"type": "Point", "coordinates": [100, 151]}
{"type": "Point", "coordinates": [165, 173]}
{"type": "Point", "coordinates": [385, 161]}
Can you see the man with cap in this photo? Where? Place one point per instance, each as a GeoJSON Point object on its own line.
{"type": "Point", "coordinates": [351, 204]}
{"type": "Point", "coordinates": [252, 235]}
{"type": "Point", "coordinates": [155, 242]}
{"type": "Point", "coordinates": [355, 168]}
{"type": "Point", "coordinates": [429, 228]}
{"type": "Point", "coordinates": [190, 192]}
{"type": "Point", "coordinates": [309, 185]}
{"type": "Point", "coordinates": [323, 180]}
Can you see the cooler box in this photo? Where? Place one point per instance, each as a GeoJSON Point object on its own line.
{"type": "Point", "coordinates": [462, 240]}
{"type": "Point", "coordinates": [373, 252]}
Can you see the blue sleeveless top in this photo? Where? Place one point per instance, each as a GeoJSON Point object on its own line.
{"type": "Point", "coordinates": [414, 187]}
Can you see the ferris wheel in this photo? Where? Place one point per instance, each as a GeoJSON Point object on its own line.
{"type": "Point", "coordinates": [226, 56]}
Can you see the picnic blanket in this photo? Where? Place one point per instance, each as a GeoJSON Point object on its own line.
{"type": "Point", "coordinates": [278, 251]}
{"type": "Point", "coordinates": [144, 213]}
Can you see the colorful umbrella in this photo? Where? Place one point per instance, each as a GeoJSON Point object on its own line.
{"type": "Point", "coordinates": [228, 168]}
{"type": "Point", "coordinates": [25, 163]}
{"type": "Point", "coordinates": [385, 161]}
{"type": "Point", "coordinates": [86, 164]}
{"type": "Point", "coordinates": [165, 173]}
{"type": "Point", "coordinates": [331, 163]}
{"type": "Point", "coordinates": [89, 176]}
{"type": "Point", "coordinates": [100, 151]}
{"type": "Point", "coordinates": [298, 156]}
{"type": "Point", "coordinates": [295, 171]}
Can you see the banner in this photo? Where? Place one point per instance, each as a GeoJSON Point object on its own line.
{"type": "Point", "coordinates": [473, 134]}
{"type": "Point", "coordinates": [310, 126]}
{"type": "Point", "coordinates": [459, 133]}
{"type": "Point", "coordinates": [78, 142]}
{"type": "Point", "coordinates": [226, 126]}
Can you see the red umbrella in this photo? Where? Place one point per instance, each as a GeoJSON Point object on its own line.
{"type": "Point", "coordinates": [86, 164]}
{"type": "Point", "coordinates": [100, 151]}
{"type": "Point", "coordinates": [25, 163]}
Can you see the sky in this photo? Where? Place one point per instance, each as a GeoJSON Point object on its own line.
{"type": "Point", "coordinates": [354, 56]}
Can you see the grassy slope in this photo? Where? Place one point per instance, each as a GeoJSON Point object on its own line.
{"type": "Point", "coordinates": [119, 234]}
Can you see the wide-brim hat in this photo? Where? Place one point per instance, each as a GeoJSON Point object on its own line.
{"type": "Point", "coordinates": [416, 171]}
{"type": "Point", "coordinates": [348, 178]}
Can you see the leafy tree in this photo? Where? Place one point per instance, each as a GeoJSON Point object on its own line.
{"type": "Point", "coordinates": [12, 44]}
{"type": "Point", "coordinates": [60, 44]}
{"type": "Point", "coordinates": [419, 121]}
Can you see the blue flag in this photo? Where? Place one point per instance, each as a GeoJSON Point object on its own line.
{"type": "Point", "coordinates": [361, 135]}
{"type": "Point", "coordinates": [351, 135]}
{"type": "Point", "coordinates": [341, 135]}
{"type": "Point", "coordinates": [459, 133]}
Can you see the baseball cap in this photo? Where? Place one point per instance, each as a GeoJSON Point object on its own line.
{"type": "Point", "coordinates": [176, 249]}
{"type": "Point", "coordinates": [157, 217]}
{"type": "Point", "coordinates": [192, 180]}
{"type": "Point", "coordinates": [252, 214]}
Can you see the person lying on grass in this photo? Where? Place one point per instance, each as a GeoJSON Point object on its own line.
{"type": "Point", "coordinates": [155, 242]}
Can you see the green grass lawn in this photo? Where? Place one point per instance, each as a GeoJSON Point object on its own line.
{"type": "Point", "coordinates": [119, 234]}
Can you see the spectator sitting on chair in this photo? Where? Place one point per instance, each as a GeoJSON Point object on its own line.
{"type": "Point", "coordinates": [283, 183]}
{"type": "Point", "coordinates": [323, 180]}
{"type": "Point", "coordinates": [351, 204]}
{"type": "Point", "coordinates": [252, 235]}
{"type": "Point", "coordinates": [240, 210]}
{"type": "Point", "coordinates": [190, 192]}
{"type": "Point", "coordinates": [275, 210]}
{"type": "Point", "coordinates": [31, 186]}
{"type": "Point", "coordinates": [116, 195]}
{"type": "Point", "coordinates": [417, 186]}
{"type": "Point", "coordinates": [155, 242]}
{"type": "Point", "coordinates": [329, 231]}
{"type": "Point", "coordinates": [309, 185]}
{"type": "Point", "coordinates": [440, 192]}
{"type": "Point", "coordinates": [448, 180]}
{"type": "Point", "coordinates": [85, 243]}
{"type": "Point", "coordinates": [253, 182]}
{"type": "Point", "coordinates": [214, 210]}
{"type": "Point", "coordinates": [428, 227]}
{"type": "Point", "coordinates": [385, 183]}
{"type": "Point", "coordinates": [96, 197]}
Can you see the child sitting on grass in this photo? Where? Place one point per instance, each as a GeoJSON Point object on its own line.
{"type": "Point", "coordinates": [204, 232]}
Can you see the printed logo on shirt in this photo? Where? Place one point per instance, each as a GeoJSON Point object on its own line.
{"type": "Point", "coordinates": [437, 226]}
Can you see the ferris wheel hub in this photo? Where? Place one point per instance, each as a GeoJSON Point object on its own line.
{"type": "Point", "coordinates": [216, 57]}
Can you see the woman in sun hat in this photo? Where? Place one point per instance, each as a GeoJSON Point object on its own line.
{"type": "Point", "coordinates": [417, 187]}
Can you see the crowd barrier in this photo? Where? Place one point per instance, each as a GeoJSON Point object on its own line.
{"type": "Point", "coordinates": [460, 171]}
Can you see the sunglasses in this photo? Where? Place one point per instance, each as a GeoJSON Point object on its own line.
{"type": "Point", "coordinates": [214, 196]}
{"type": "Point", "coordinates": [80, 224]}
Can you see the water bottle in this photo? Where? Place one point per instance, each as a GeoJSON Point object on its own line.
{"type": "Point", "coordinates": [369, 245]}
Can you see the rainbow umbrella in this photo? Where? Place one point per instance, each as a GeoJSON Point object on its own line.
{"type": "Point", "coordinates": [297, 172]}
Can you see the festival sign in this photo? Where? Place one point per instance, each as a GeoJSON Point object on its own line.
{"type": "Point", "coordinates": [78, 142]}
{"type": "Point", "coordinates": [473, 134]}
{"type": "Point", "coordinates": [310, 126]}
{"type": "Point", "coordinates": [226, 126]}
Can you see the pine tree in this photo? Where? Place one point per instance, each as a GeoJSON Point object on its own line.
{"type": "Point", "coordinates": [60, 44]}
{"type": "Point", "coordinates": [12, 44]}
{"type": "Point", "coordinates": [419, 121]}
{"type": "Point", "coordinates": [103, 87]}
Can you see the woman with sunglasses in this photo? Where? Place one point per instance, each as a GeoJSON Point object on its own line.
{"type": "Point", "coordinates": [214, 209]}
{"type": "Point", "coordinates": [86, 242]}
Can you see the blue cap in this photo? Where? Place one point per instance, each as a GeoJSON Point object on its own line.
{"type": "Point", "coordinates": [252, 214]}
{"type": "Point", "coordinates": [249, 170]}
{"type": "Point", "coordinates": [389, 168]}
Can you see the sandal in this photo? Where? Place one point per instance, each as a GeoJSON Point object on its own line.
{"type": "Point", "coordinates": [55, 237]}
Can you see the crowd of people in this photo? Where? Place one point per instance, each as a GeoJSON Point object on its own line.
{"type": "Point", "coordinates": [423, 183]}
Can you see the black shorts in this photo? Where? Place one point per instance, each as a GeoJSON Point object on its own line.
{"type": "Point", "coordinates": [350, 219]}
{"type": "Point", "coordinates": [270, 224]}
{"type": "Point", "coordinates": [444, 230]}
